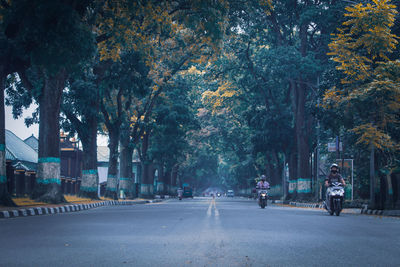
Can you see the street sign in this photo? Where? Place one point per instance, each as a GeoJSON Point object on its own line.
{"type": "Point", "coordinates": [332, 147]}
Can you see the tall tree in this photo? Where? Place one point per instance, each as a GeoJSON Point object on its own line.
{"type": "Point", "coordinates": [81, 108]}
{"type": "Point", "coordinates": [54, 40]}
{"type": "Point", "coordinates": [363, 49]}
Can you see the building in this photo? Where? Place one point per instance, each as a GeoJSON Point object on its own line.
{"type": "Point", "coordinates": [21, 164]}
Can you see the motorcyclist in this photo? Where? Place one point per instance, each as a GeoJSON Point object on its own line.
{"type": "Point", "coordinates": [180, 193]}
{"type": "Point", "coordinates": [333, 177]}
{"type": "Point", "coordinates": [263, 184]}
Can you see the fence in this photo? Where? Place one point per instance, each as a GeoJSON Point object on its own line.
{"type": "Point", "coordinates": [21, 183]}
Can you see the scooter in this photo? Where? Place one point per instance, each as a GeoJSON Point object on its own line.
{"type": "Point", "coordinates": [262, 198]}
{"type": "Point", "coordinates": [335, 199]}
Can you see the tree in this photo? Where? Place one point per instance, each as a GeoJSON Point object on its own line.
{"type": "Point", "coordinates": [174, 117]}
{"type": "Point", "coordinates": [81, 108]}
{"type": "Point", "coordinates": [123, 85]}
{"type": "Point", "coordinates": [53, 40]}
{"type": "Point", "coordinates": [169, 40]}
{"type": "Point", "coordinates": [362, 49]}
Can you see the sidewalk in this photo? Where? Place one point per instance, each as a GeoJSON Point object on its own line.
{"type": "Point", "coordinates": [28, 207]}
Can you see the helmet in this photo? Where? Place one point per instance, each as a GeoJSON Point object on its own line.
{"type": "Point", "coordinates": [334, 165]}
{"type": "Point", "coordinates": [263, 178]}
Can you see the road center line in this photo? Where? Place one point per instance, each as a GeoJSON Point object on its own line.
{"type": "Point", "coordinates": [209, 209]}
{"type": "Point", "coordinates": [216, 212]}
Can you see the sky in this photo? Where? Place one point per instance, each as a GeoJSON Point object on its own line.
{"type": "Point", "coordinates": [19, 128]}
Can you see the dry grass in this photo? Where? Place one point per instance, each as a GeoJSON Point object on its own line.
{"type": "Point", "coordinates": [75, 199]}
{"type": "Point", "coordinates": [26, 201]}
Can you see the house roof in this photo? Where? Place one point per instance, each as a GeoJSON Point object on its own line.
{"type": "Point", "coordinates": [16, 149]}
{"type": "Point", "coordinates": [28, 166]}
{"type": "Point", "coordinates": [33, 142]}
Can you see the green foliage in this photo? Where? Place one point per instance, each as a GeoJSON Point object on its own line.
{"type": "Point", "coordinates": [174, 118]}
{"type": "Point", "coordinates": [50, 34]}
{"type": "Point", "coordinates": [362, 49]}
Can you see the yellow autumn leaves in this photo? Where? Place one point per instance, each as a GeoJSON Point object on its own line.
{"type": "Point", "coordinates": [221, 98]}
{"type": "Point", "coordinates": [362, 48]}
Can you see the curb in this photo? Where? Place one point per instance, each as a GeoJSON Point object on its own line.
{"type": "Point", "coordinates": [25, 212]}
{"type": "Point", "coordinates": [381, 212]}
{"type": "Point", "coordinates": [299, 204]}
{"type": "Point", "coordinates": [364, 210]}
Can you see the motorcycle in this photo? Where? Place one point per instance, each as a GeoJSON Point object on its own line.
{"type": "Point", "coordinates": [262, 198]}
{"type": "Point", "coordinates": [334, 202]}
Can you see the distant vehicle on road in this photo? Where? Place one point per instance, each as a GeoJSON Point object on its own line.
{"type": "Point", "coordinates": [187, 191]}
{"type": "Point", "coordinates": [230, 193]}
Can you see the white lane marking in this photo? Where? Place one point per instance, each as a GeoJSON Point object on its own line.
{"type": "Point", "coordinates": [216, 212]}
{"type": "Point", "coordinates": [209, 209]}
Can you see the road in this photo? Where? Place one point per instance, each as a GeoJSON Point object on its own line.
{"type": "Point", "coordinates": [200, 232]}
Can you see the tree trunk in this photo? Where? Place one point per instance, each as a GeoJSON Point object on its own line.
{"type": "Point", "coordinates": [292, 190]}
{"type": "Point", "coordinates": [372, 178]}
{"type": "Point", "coordinates": [174, 180]}
{"type": "Point", "coordinates": [303, 164]}
{"type": "Point", "coordinates": [112, 182]}
{"type": "Point", "coordinates": [301, 135]}
{"type": "Point", "coordinates": [90, 177]}
{"type": "Point", "coordinates": [147, 187]}
{"type": "Point", "coordinates": [125, 180]}
{"type": "Point", "coordinates": [5, 197]}
{"type": "Point", "coordinates": [146, 190]}
{"type": "Point", "coordinates": [48, 187]}
{"type": "Point", "coordinates": [167, 182]}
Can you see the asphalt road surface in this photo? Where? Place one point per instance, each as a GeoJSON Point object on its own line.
{"type": "Point", "coordinates": [200, 232]}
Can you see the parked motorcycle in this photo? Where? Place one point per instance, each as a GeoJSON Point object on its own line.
{"type": "Point", "coordinates": [262, 198]}
{"type": "Point", "coordinates": [335, 199]}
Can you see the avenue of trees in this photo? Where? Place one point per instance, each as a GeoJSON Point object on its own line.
{"type": "Point", "coordinates": [216, 92]}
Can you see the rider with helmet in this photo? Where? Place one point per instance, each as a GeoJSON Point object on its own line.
{"type": "Point", "coordinates": [333, 177]}
{"type": "Point", "coordinates": [263, 184]}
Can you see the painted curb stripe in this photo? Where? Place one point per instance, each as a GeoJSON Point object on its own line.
{"type": "Point", "coordinates": [49, 160]}
{"type": "Point", "coordinates": [111, 176]}
{"type": "Point", "coordinates": [114, 189]}
{"type": "Point", "coordinates": [3, 179]}
{"type": "Point", "coordinates": [125, 179]}
{"type": "Point", "coordinates": [2, 147]}
{"type": "Point", "coordinates": [68, 208]}
{"type": "Point", "coordinates": [48, 181]}
{"type": "Point", "coordinates": [89, 189]}
{"type": "Point", "coordinates": [22, 212]}
{"type": "Point", "coordinates": [89, 171]}
{"type": "Point", "coordinates": [304, 191]}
